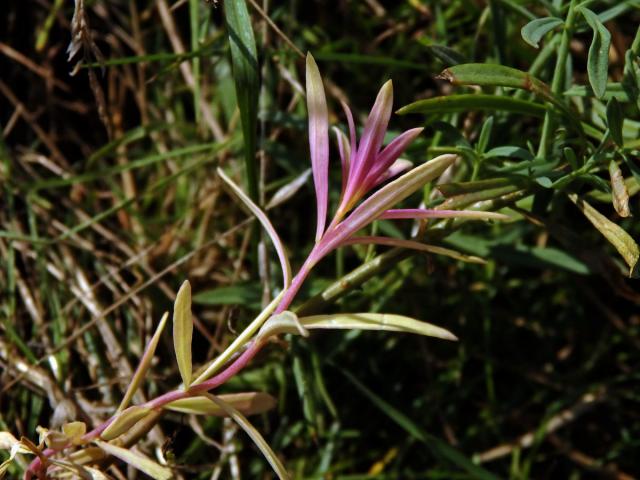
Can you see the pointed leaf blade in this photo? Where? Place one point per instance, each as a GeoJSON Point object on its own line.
{"type": "Point", "coordinates": [124, 421]}
{"type": "Point", "coordinates": [183, 332]}
{"type": "Point", "coordinates": [375, 321]}
{"type": "Point", "coordinates": [143, 366]}
{"type": "Point", "coordinates": [318, 140]}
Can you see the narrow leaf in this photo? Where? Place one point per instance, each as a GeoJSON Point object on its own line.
{"type": "Point", "coordinates": [598, 58]}
{"type": "Point", "coordinates": [257, 438]}
{"type": "Point", "coordinates": [533, 31]}
{"type": "Point", "coordinates": [143, 366]}
{"type": "Point", "coordinates": [124, 421]}
{"type": "Point", "coordinates": [420, 213]}
{"type": "Point", "coordinates": [466, 102]}
{"type": "Point", "coordinates": [615, 118]}
{"type": "Point", "coordinates": [318, 141]}
{"type": "Point", "coordinates": [244, 58]}
{"type": "Point", "coordinates": [620, 194]}
{"type": "Point", "coordinates": [183, 332]}
{"type": "Point", "coordinates": [413, 245]}
{"type": "Point", "coordinates": [621, 240]}
{"type": "Point", "coordinates": [251, 403]}
{"type": "Point", "coordinates": [264, 220]}
{"type": "Point", "coordinates": [285, 322]}
{"type": "Point", "coordinates": [375, 321]}
{"type": "Point", "coordinates": [137, 460]}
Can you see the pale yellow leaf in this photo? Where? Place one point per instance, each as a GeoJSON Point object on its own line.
{"type": "Point", "coordinates": [124, 421]}
{"type": "Point", "coordinates": [249, 403]}
{"type": "Point", "coordinates": [183, 332]}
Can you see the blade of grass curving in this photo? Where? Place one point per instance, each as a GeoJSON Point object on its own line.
{"type": "Point", "coordinates": [264, 220]}
{"type": "Point", "coordinates": [137, 460]}
{"type": "Point", "coordinates": [143, 366]}
{"type": "Point", "coordinates": [249, 403]}
{"type": "Point", "coordinates": [183, 332]}
{"type": "Point", "coordinates": [257, 438]}
{"type": "Point", "coordinates": [438, 447]}
{"type": "Point", "coordinates": [244, 58]}
{"type": "Point", "coordinates": [598, 58]}
{"type": "Point", "coordinates": [420, 213]}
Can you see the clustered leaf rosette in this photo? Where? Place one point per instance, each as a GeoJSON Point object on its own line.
{"type": "Point", "coordinates": [365, 166]}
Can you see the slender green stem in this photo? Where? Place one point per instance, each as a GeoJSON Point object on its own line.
{"type": "Point", "coordinates": [558, 75]}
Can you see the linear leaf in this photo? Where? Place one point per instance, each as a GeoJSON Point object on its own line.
{"type": "Point", "coordinates": [620, 239]}
{"type": "Point", "coordinates": [244, 58]}
{"type": "Point", "coordinates": [413, 245]}
{"type": "Point", "coordinates": [598, 58]}
{"type": "Point", "coordinates": [533, 31]}
{"type": "Point", "coordinates": [137, 460]}
{"type": "Point", "coordinates": [466, 102]}
{"type": "Point", "coordinates": [264, 220]}
{"type": "Point", "coordinates": [143, 366]}
{"type": "Point", "coordinates": [375, 321]}
{"type": "Point", "coordinates": [257, 438]}
{"type": "Point", "coordinates": [250, 403]}
{"type": "Point", "coordinates": [615, 120]}
{"type": "Point", "coordinates": [183, 332]}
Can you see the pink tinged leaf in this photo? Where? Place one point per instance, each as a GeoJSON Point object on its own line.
{"type": "Point", "coordinates": [352, 127]}
{"type": "Point", "coordinates": [372, 138]}
{"type": "Point", "coordinates": [399, 166]}
{"type": "Point", "coordinates": [318, 140]}
{"type": "Point", "coordinates": [420, 213]}
{"type": "Point", "coordinates": [345, 155]}
{"type": "Point", "coordinates": [266, 224]}
{"type": "Point", "coordinates": [389, 155]}
{"type": "Point", "coordinates": [413, 245]}
{"type": "Point", "coordinates": [392, 193]}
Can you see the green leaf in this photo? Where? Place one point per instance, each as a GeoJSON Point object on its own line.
{"type": "Point", "coordinates": [533, 31]}
{"type": "Point", "coordinates": [621, 240]}
{"type": "Point", "coordinates": [244, 58]}
{"type": "Point", "coordinates": [124, 421]}
{"type": "Point", "coordinates": [143, 366]}
{"type": "Point", "coordinates": [137, 460]}
{"type": "Point", "coordinates": [466, 102]}
{"type": "Point", "coordinates": [490, 75]}
{"type": "Point", "coordinates": [485, 136]}
{"type": "Point", "coordinates": [183, 332]}
{"type": "Point", "coordinates": [446, 55]}
{"type": "Point", "coordinates": [598, 59]}
{"type": "Point", "coordinates": [250, 403]}
{"type": "Point", "coordinates": [250, 430]}
{"type": "Point", "coordinates": [614, 121]}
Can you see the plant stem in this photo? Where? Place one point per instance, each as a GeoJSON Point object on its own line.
{"type": "Point", "coordinates": [558, 76]}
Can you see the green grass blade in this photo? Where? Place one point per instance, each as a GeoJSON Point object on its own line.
{"type": "Point", "coordinates": [244, 58]}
